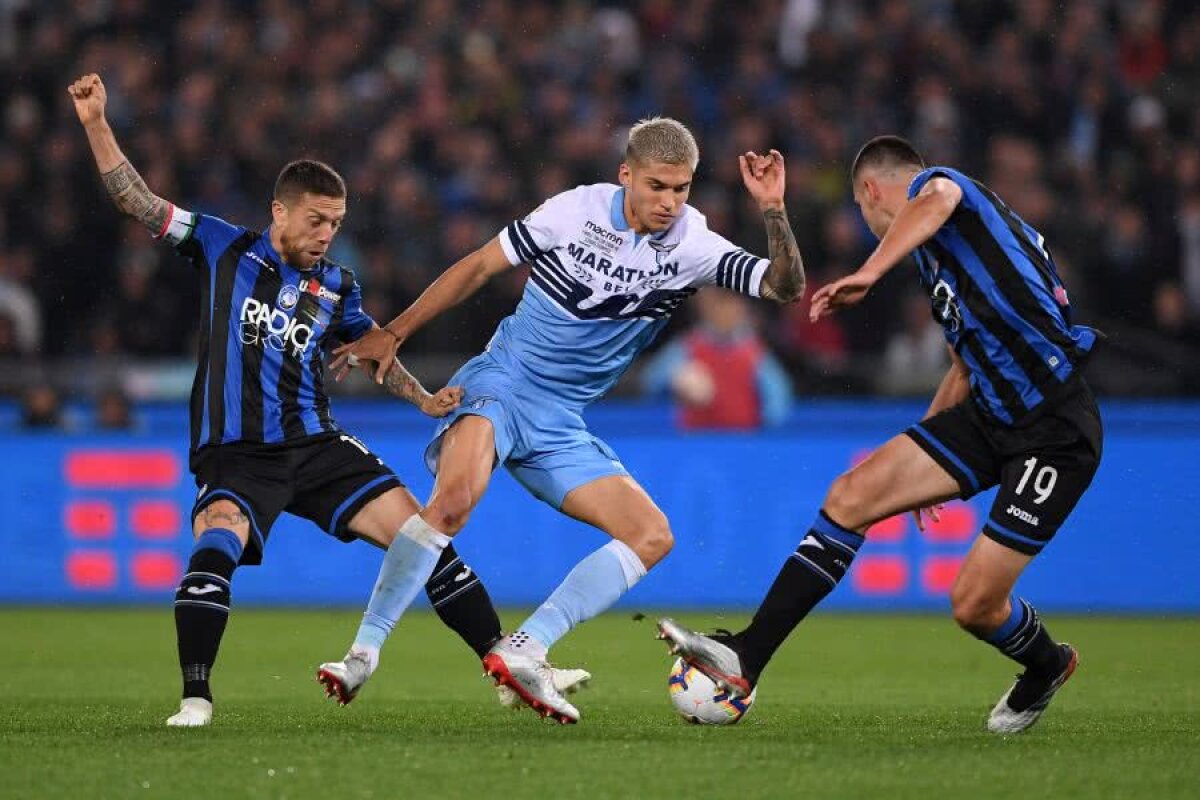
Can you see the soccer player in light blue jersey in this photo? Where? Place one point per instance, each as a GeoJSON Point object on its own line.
{"type": "Point", "coordinates": [610, 264]}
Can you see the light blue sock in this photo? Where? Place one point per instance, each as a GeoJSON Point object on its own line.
{"type": "Point", "coordinates": [591, 587]}
{"type": "Point", "coordinates": [406, 567]}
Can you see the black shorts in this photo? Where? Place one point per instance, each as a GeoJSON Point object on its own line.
{"type": "Point", "coordinates": [1043, 468]}
{"type": "Point", "coordinates": [325, 479]}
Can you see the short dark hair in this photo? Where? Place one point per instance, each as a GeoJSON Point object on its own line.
{"type": "Point", "coordinates": [308, 175]}
{"type": "Point", "coordinates": [888, 152]}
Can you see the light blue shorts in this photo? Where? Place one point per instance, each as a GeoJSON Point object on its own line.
{"type": "Point", "coordinates": [544, 445]}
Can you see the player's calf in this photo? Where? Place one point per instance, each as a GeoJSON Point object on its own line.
{"type": "Point", "coordinates": [814, 570]}
{"type": "Point", "coordinates": [201, 610]}
{"type": "Point", "coordinates": [978, 612]}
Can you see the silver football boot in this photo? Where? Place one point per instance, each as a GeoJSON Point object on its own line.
{"type": "Point", "coordinates": [716, 660]}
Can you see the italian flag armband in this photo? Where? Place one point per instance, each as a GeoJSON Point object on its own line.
{"type": "Point", "coordinates": [179, 226]}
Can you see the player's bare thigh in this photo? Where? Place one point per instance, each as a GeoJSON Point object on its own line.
{"type": "Point", "coordinates": [897, 477]}
{"type": "Point", "coordinates": [222, 514]}
{"type": "Point", "coordinates": [619, 506]}
{"type": "Point", "coordinates": [379, 520]}
{"type": "Point", "coordinates": [465, 463]}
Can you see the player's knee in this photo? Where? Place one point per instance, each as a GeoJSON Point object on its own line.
{"type": "Point", "coordinates": [449, 508]}
{"type": "Point", "coordinates": [654, 541]}
{"type": "Point", "coordinates": [224, 514]}
{"type": "Point", "coordinates": [976, 611]}
{"type": "Point", "coordinates": [845, 500]}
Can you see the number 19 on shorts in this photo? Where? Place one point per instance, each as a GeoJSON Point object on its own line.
{"type": "Point", "coordinates": [1043, 483]}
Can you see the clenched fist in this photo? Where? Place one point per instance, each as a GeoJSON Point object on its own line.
{"type": "Point", "coordinates": [90, 97]}
{"type": "Point", "coordinates": [443, 402]}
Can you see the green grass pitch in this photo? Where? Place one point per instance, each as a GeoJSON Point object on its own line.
{"type": "Point", "coordinates": [854, 706]}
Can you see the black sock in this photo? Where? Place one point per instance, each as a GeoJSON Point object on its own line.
{"type": "Point", "coordinates": [812, 572]}
{"type": "Point", "coordinates": [1024, 639]}
{"type": "Point", "coordinates": [202, 607]}
{"type": "Point", "coordinates": [462, 602]}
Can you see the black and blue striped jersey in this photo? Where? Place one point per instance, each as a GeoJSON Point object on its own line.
{"type": "Point", "coordinates": [998, 297]}
{"type": "Point", "coordinates": [263, 335]}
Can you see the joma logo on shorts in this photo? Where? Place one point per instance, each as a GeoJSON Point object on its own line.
{"type": "Point", "coordinates": [1023, 515]}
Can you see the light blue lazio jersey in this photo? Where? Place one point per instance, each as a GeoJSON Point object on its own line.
{"type": "Point", "coordinates": [598, 293]}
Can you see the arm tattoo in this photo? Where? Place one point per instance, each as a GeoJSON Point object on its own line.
{"type": "Point", "coordinates": [402, 384]}
{"type": "Point", "coordinates": [127, 189]}
{"type": "Point", "coordinates": [218, 517]}
{"type": "Point", "coordinates": [784, 280]}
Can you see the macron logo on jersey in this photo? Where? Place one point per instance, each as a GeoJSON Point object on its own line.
{"type": "Point", "coordinates": [604, 233]}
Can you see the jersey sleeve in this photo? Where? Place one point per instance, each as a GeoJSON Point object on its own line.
{"type": "Point", "coordinates": [199, 234]}
{"type": "Point", "coordinates": [719, 262]}
{"type": "Point", "coordinates": [355, 321]}
{"type": "Point", "coordinates": [929, 173]}
{"type": "Point", "coordinates": [524, 240]}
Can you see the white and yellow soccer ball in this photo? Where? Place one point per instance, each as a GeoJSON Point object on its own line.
{"type": "Point", "coordinates": [699, 701]}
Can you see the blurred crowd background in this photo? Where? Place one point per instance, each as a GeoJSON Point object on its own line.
{"type": "Point", "coordinates": [449, 118]}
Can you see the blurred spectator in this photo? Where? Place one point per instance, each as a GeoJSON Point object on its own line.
{"type": "Point", "coordinates": [1082, 115]}
{"type": "Point", "coordinates": [18, 303]}
{"type": "Point", "coordinates": [9, 346]}
{"type": "Point", "coordinates": [41, 408]}
{"type": "Point", "coordinates": [720, 372]}
{"type": "Point", "coordinates": [916, 359]}
{"type": "Point", "coordinates": [1172, 317]}
{"type": "Point", "coordinates": [1189, 238]}
{"type": "Point", "coordinates": [113, 411]}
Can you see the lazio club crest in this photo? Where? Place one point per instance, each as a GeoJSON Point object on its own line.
{"type": "Point", "coordinates": [661, 251]}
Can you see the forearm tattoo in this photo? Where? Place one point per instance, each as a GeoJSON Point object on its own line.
{"type": "Point", "coordinates": [784, 280]}
{"type": "Point", "coordinates": [130, 193]}
{"type": "Point", "coordinates": [215, 517]}
{"type": "Point", "coordinates": [402, 384]}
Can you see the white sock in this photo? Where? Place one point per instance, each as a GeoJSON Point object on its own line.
{"type": "Point", "coordinates": [591, 587]}
{"type": "Point", "coordinates": [406, 567]}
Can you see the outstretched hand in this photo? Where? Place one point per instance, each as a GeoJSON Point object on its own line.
{"type": "Point", "coordinates": [764, 177]}
{"type": "Point", "coordinates": [842, 293]}
{"type": "Point", "coordinates": [378, 345]}
{"type": "Point", "coordinates": [90, 98]}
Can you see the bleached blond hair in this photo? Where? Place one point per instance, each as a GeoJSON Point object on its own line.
{"type": "Point", "coordinates": [662, 140]}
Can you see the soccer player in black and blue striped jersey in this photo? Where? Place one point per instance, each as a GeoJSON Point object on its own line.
{"type": "Point", "coordinates": [1013, 411]}
{"type": "Point", "coordinates": [263, 440]}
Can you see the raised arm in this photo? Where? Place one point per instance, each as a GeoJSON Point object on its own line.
{"type": "Point", "coordinates": [122, 182]}
{"type": "Point", "coordinates": [784, 281]}
{"type": "Point", "coordinates": [917, 222]}
{"type": "Point", "coordinates": [451, 288]}
{"type": "Point", "coordinates": [764, 177]}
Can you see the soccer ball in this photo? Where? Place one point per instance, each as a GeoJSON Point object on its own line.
{"type": "Point", "coordinates": [699, 701]}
